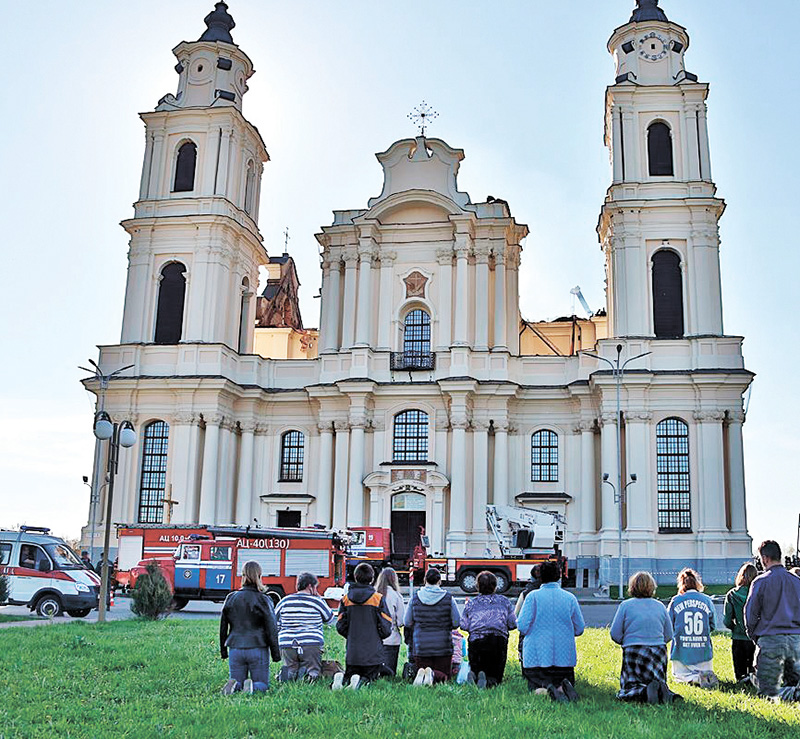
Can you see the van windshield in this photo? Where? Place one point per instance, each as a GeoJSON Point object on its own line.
{"type": "Point", "coordinates": [63, 557]}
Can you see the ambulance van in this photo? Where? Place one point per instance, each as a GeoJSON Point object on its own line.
{"type": "Point", "coordinates": [45, 574]}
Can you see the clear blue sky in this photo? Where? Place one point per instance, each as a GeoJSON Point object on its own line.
{"type": "Point", "coordinates": [519, 86]}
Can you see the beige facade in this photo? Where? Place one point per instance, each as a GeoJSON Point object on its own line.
{"type": "Point", "coordinates": [430, 397]}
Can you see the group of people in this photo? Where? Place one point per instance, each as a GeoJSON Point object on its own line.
{"type": "Point", "coordinates": [762, 612]}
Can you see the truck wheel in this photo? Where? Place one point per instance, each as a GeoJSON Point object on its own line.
{"type": "Point", "coordinates": [79, 612]}
{"type": "Point", "coordinates": [468, 581]}
{"type": "Point", "coordinates": [275, 596]}
{"type": "Point", "coordinates": [502, 582]}
{"type": "Point", "coordinates": [49, 606]}
{"type": "Point", "coordinates": [178, 603]}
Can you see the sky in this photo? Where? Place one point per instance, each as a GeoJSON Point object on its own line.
{"type": "Point", "coordinates": [519, 85]}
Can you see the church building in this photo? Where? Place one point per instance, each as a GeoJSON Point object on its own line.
{"type": "Point", "coordinates": [425, 395]}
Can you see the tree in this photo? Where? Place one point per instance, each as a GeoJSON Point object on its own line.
{"type": "Point", "coordinates": [4, 589]}
{"type": "Point", "coordinates": [151, 595]}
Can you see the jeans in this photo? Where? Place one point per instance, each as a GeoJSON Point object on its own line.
{"type": "Point", "coordinates": [254, 661]}
{"type": "Point", "coordinates": [391, 652]}
{"type": "Point", "coordinates": [778, 656]}
{"type": "Point", "coordinates": [308, 656]}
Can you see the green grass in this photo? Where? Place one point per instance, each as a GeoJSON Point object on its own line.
{"type": "Point", "coordinates": [7, 619]}
{"type": "Point", "coordinates": [141, 679]}
{"type": "Point", "coordinates": [665, 592]}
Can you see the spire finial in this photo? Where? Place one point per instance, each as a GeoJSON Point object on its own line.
{"type": "Point", "coordinates": [421, 117]}
{"type": "Point", "coordinates": [219, 25]}
{"type": "Point", "coordinates": [648, 10]}
{"type": "Point", "coordinates": [286, 238]}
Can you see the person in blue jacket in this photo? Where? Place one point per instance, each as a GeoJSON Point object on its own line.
{"type": "Point", "coordinates": [693, 619]}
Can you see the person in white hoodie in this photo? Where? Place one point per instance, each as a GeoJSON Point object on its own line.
{"type": "Point", "coordinates": [389, 588]}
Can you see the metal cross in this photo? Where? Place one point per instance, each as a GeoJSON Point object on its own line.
{"type": "Point", "coordinates": [286, 241]}
{"type": "Point", "coordinates": [421, 116]}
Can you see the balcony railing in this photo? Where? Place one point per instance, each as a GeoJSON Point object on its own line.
{"type": "Point", "coordinates": [412, 361]}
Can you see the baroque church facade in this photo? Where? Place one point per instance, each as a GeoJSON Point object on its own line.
{"type": "Point", "coordinates": [425, 396]}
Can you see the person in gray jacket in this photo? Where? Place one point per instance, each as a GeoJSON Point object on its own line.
{"type": "Point", "coordinates": [432, 614]}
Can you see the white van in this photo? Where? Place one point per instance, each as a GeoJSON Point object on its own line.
{"type": "Point", "coordinates": [45, 574]}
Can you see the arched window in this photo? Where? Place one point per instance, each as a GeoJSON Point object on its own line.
{"type": "Point", "coordinates": [417, 333]}
{"type": "Point", "coordinates": [244, 312]}
{"type": "Point", "coordinates": [659, 150]}
{"type": "Point", "coordinates": [153, 481]}
{"type": "Point", "coordinates": [672, 467]}
{"type": "Point", "coordinates": [250, 188]}
{"type": "Point", "coordinates": [544, 456]}
{"type": "Point", "coordinates": [667, 295]}
{"type": "Point", "coordinates": [171, 297]}
{"type": "Point", "coordinates": [185, 167]}
{"type": "Point", "coordinates": [410, 439]}
{"type": "Point", "coordinates": [292, 447]}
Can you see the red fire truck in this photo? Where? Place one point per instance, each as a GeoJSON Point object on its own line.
{"type": "Point", "coordinates": [208, 566]}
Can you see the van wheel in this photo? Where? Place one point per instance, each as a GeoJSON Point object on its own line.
{"type": "Point", "coordinates": [178, 603]}
{"type": "Point", "coordinates": [79, 612]}
{"type": "Point", "coordinates": [468, 581]}
{"type": "Point", "coordinates": [49, 606]}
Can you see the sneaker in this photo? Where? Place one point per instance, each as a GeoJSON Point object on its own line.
{"type": "Point", "coordinates": [408, 672]}
{"type": "Point", "coordinates": [556, 694]}
{"type": "Point", "coordinates": [338, 681]}
{"type": "Point", "coordinates": [428, 680]}
{"type": "Point", "coordinates": [541, 691]}
{"type": "Point", "coordinates": [230, 687]}
{"type": "Point", "coordinates": [481, 679]}
{"type": "Point", "coordinates": [654, 692]}
{"type": "Point", "coordinates": [470, 678]}
{"type": "Point", "coordinates": [420, 678]}
{"type": "Point", "coordinates": [248, 687]}
{"type": "Point", "coordinates": [569, 691]}
{"type": "Point", "coordinates": [355, 681]}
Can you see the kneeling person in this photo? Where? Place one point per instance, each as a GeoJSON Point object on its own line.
{"type": "Point", "coordinates": [300, 619]}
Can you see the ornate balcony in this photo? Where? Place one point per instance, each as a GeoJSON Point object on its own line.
{"type": "Point", "coordinates": [412, 361]}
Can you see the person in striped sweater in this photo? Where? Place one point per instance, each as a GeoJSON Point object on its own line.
{"type": "Point", "coordinates": [300, 618]}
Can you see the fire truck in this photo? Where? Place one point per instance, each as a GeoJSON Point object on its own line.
{"type": "Point", "coordinates": [525, 537]}
{"type": "Point", "coordinates": [207, 566]}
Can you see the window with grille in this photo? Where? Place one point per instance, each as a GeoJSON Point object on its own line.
{"type": "Point", "coordinates": [153, 482]}
{"type": "Point", "coordinates": [410, 437]}
{"type": "Point", "coordinates": [417, 333]}
{"type": "Point", "coordinates": [672, 467]}
{"type": "Point", "coordinates": [544, 456]}
{"type": "Point", "coordinates": [292, 443]}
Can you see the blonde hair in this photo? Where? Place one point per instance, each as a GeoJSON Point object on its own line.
{"type": "Point", "coordinates": [387, 579]}
{"type": "Point", "coordinates": [689, 579]}
{"type": "Point", "coordinates": [251, 575]}
{"type": "Point", "coordinates": [747, 573]}
{"type": "Point", "coordinates": [642, 585]}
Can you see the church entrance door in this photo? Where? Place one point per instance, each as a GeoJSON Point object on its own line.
{"type": "Point", "coordinates": [408, 517]}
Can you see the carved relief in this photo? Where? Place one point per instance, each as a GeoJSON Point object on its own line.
{"type": "Point", "coordinates": [415, 285]}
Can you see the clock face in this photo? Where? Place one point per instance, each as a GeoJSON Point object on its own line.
{"type": "Point", "coordinates": [653, 47]}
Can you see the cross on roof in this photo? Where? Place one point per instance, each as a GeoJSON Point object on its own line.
{"type": "Point", "coordinates": [421, 116]}
{"type": "Point", "coordinates": [286, 238]}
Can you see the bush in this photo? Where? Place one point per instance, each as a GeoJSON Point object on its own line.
{"type": "Point", "coordinates": [4, 589]}
{"type": "Point", "coordinates": [151, 596]}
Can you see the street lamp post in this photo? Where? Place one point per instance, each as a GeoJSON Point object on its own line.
{"type": "Point", "coordinates": [118, 435]}
{"type": "Point", "coordinates": [617, 370]}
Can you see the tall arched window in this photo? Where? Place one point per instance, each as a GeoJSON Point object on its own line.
{"type": "Point", "coordinates": [417, 333]}
{"type": "Point", "coordinates": [292, 448]}
{"type": "Point", "coordinates": [185, 167]}
{"type": "Point", "coordinates": [672, 467]}
{"type": "Point", "coordinates": [244, 312]}
{"type": "Point", "coordinates": [153, 480]}
{"type": "Point", "coordinates": [667, 295]}
{"type": "Point", "coordinates": [410, 439]}
{"type": "Point", "coordinates": [544, 456]}
{"type": "Point", "coordinates": [250, 187]}
{"type": "Point", "coordinates": [171, 297]}
{"type": "Point", "coordinates": [659, 150]}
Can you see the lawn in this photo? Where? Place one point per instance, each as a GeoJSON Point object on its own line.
{"type": "Point", "coordinates": [139, 679]}
{"type": "Point", "coordinates": [4, 618]}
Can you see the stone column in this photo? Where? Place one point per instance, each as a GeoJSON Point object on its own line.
{"type": "Point", "coordinates": [480, 481]}
{"type": "Point", "coordinates": [325, 488]}
{"type": "Point", "coordinates": [208, 481]}
{"type": "Point", "coordinates": [445, 259]}
{"type": "Point", "coordinates": [330, 308]}
{"type": "Point", "coordinates": [436, 528]}
{"type": "Point", "coordinates": [692, 149]}
{"type": "Point", "coordinates": [385, 301]}
{"type": "Point", "coordinates": [639, 498]}
{"type": "Point", "coordinates": [349, 302]}
{"type": "Point", "coordinates": [705, 155]}
{"type": "Point", "coordinates": [512, 297]}
{"type": "Point", "coordinates": [224, 156]}
{"type": "Point", "coordinates": [224, 492]}
{"type": "Point", "coordinates": [736, 472]}
{"type": "Point", "coordinates": [608, 455]}
{"type": "Point", "coordinates": [462, 298]}
{"type": "Point", "coordinates": [500, 340]}
{"type": "Point", "coordinates": [244, 492]}
{"type": "Point", "coordinates": [711, 501]}
{"type": "Point", "coordinates": [457, 535]}
{"type": "Point", "coordinates": [588, 479]}
{"type": "Point", "coordinates": [184, 437]}
{"type": "Point", "coordinates": [616, 129]}
{"type": "Point", "coordinates": [501, 492]}
{"type": "Point", "coordinates": [157, 176]}
{"type": "Point", "coordinates": [340, 474]}
{"type": "Point", "coordinates": [482, 252]}
{"type": "Point", "coordinates": [355, 491]}
{"type": "Point", "coordinates": [365, 306]}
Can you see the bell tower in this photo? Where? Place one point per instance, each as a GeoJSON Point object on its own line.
{"type": "Point", "coordinates": [659, 223]}
{"type": "Point", "coordinates": [195, 247]}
